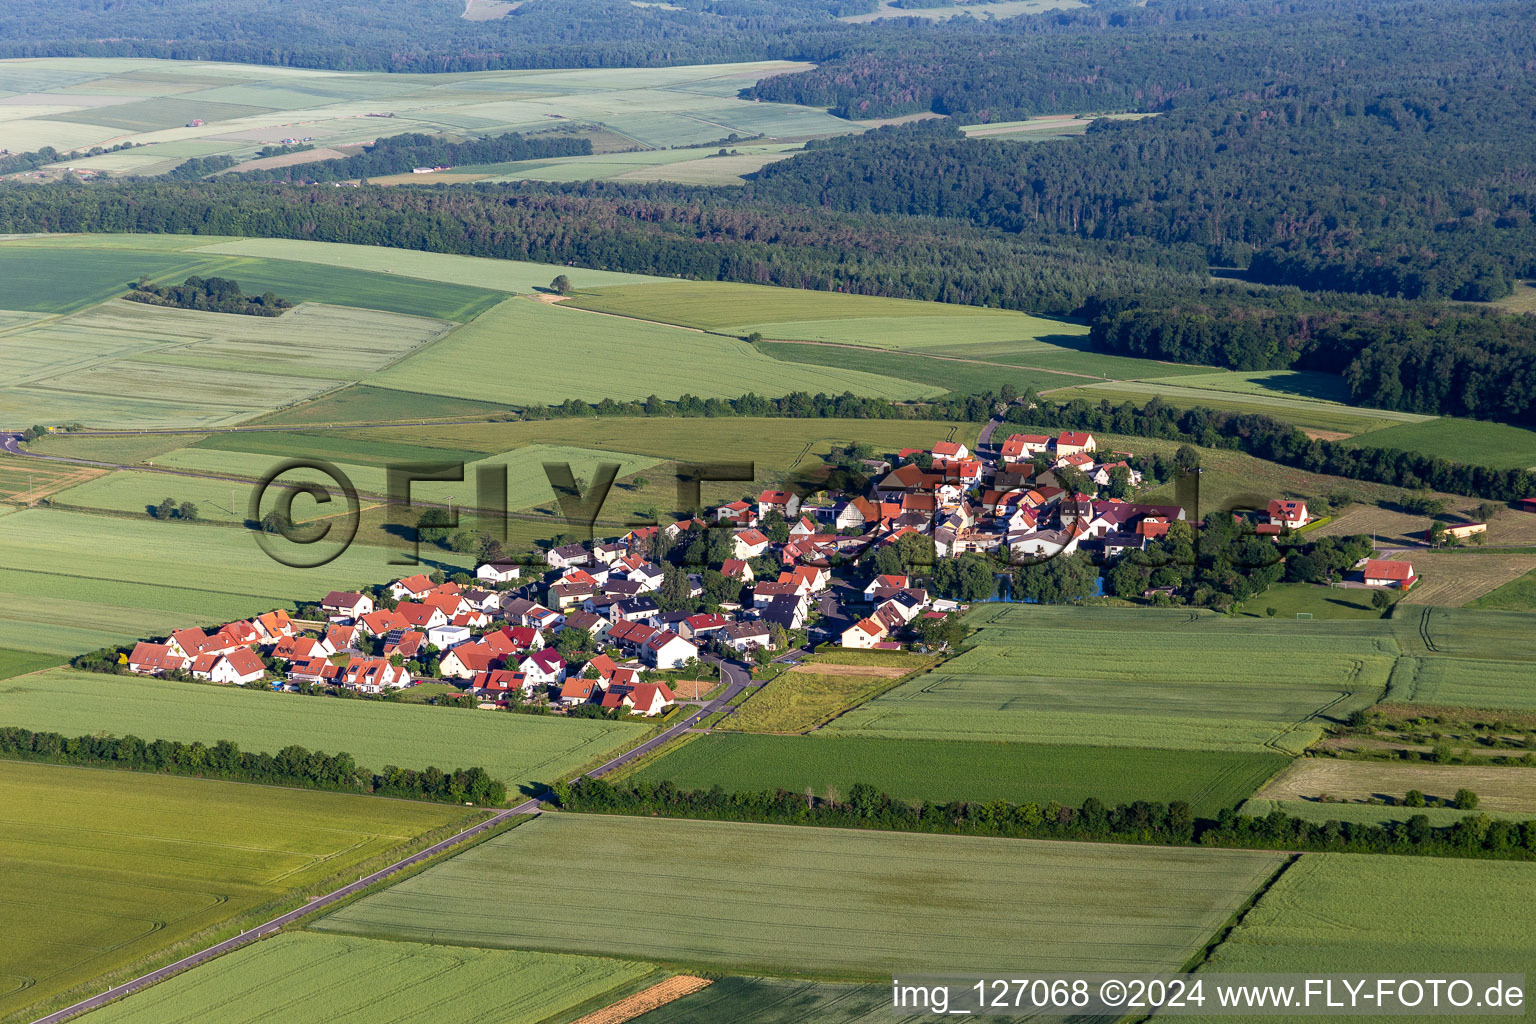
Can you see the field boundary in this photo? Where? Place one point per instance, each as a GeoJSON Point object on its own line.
{"type": "Point", "coordinates": [646, 1000]}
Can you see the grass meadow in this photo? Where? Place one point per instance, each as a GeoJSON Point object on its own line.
{"type": "Point", "coordinates": [945, 770]}
{"type": "Point", "coordinates": [1515, 596]}
{"type": "Point", "coordinates": [1111, 677]}
{"type": "Point", "coordinates": [1498, 787]}
{"type": "Point", "coordinates": [307, 978]}
{"type": "Point", "coordinates": [1365, 814]}
{"type": "Point", "coordinates": [104, 868]}
{"type": "Point", "coordinates": [524, 352]}
{"type": "Point", "coordinates": [519, 749]}
{"type": "Point", "coordinates": [1365, 914]}
{"type": "Point", "coordinates": [810, 693]}
{"type": "Point", "coordinates": [952, 373]}
{"type": "Point", "coordinates": [822, 901]}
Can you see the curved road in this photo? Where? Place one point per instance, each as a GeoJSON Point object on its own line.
{"type": "Point", "coordinates": [737, 677]}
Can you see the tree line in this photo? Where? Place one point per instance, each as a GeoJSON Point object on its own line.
{"type": "Point", "coordinates": [209, 294]}
{"type": "Point", "coordinates": [291, 766]}
{"type": "Point", "coordinates": [1141, 822]}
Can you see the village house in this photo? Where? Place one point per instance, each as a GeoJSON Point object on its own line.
{"type": "Point", "coordinates": [373, 675]}
{"type": "Point", "coordinates": [1072, 442]}
{"type": "Point", "coordinates": [381, 623]}
{"type": "Point", "coordinates": [864, 634]}
{"type": "Point", "coordinates": [568, 555]}
{"type": "Point", "coordinates": [468, 660]}
{"type": "Point", "coordinates": [785, 503]}
{"type": "Point", "coordinates": [241, 666]}
{"type": "Point", "coordinates": [410, 588]}
{"type": "Point", "coordinates": [499, 572]}
{"type": "Point", "coordinates": [666, 650]}
{"type": "Point", "coordinates": [1292, 515]}
{"type": "Point", "coordinates": [347, 605]}
{"type": "Point", "coordinates": [749, 544]}
{"type": "Point", "coordinates": [743, 637]}
{"type": "Point", "coordinates": [150, 659]}
{"type": "Point", "coordinates": [543, 667]}
{"type": "Point", "coordinates": [408, 643]}
{"type": "Point", "coordinates": [497, 684]}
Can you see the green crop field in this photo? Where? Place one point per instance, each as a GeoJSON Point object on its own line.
{"type": "Point", "coordinates": [782, 1001]}
{"type": "Point", "coordinates": [245, 107]}
{"type": "Point", "coordinates": [16, 663]}
{"type": "Point", "coordinates": [945, 770]}
{"type": "Point", "coordinates": [130, 364]}
{"type": "Point", "coordinates": [1465, 682]}
{"type": "Point", "coordinates": [822, 901]}
{"type": "Point", "coordinates": [362, 404]}
{"type": "Point", "coordinates": [1499, 445]}
{"type": "Point", "coordinates": [952, 373]}
{"type": "Point", "coordinates": [44, 278]}
{"type": "Point", "coordinates": [520, 749]}
{"type": "Point", "coordinates": [1336, 913]}
{"type": "Point", "coordinates": [305, 978]}
{"type": "Point", "coordinates": [809, 694]}
{"type": "Point", "coordinates": [522, 352]}
{"type": "Point", "coordinates": [104, 868]}
{"type": "Point", "coordinates": [72, 581]}
{"type": "Point", "coordinates": [1516, 596]}
{"type": "Point", "coordinates": [1108, 677]}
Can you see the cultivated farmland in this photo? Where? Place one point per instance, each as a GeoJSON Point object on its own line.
{"type": "Point", "coordinates": [519, 749]}
{"type": "Point", "coordinates": [524, 352]}
{"type": "Point", "coordinates": [945, 770]}
{"type": "Point", "coordinates": [1380, 914]}
{"type": "Point", "coordinates": [305, 978]}
{"type": "Point", "coordinates": [810, 693]}
{"type": "Point", "coordinates": [782, 1001]}
{"type": "Point", "coordinates": [1481, 441]}
{"type": "Point", "coordinates": [1464, 682]}
{"type": "Point", "coordinates": [1516, 596]}
{"type": "Point", "coordinates": [1457, 578]}
{"type": "Point", "coordinates": [240, 108]}
{"type": "Point", "coordinates": [1034, 675]}
{"type": "Point", "coordinates": [956, 374]}
{"type": "Point", "coordinates": [824, 901]}
{"type": "Point", "coordinates": [110, 580]}
{"type": "Point", "coordinates": [1499, 788]}
{"type": "Point", "coordinates": [104, 867]}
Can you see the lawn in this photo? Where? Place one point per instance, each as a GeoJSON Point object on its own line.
{"type": "Point", "coordinates": [130, 364]}
{"type": "Point", "coordinates": [1123, 677]}
{"type": "Point", "coordinates": [104, 868]}
{"type": "Point", "coordinates": [946, 770]}
{"type": "Point", "coordinates": [1515, 596]}
{"type": "Point", "coordinates": [1499, 788]}
{"type": "Point", "coordinates": [1292, 599]}
{"type": "Point", "coordinates": [815, 901]}
{"type": "Point", "coordinates": [72, 581]}
{"type": "Point", "coordinates": [524, 352]}
{"type": "Point", "coordinates": [305, 978]}
{"type": "Point", "coordinates": [1487, 444]}
{"type": "Point", "coordinates": [1399, 916]}
{"type": "Point", "coordinates": [522, 750]}
{"type": "Point", "coordinates": [808, 694]}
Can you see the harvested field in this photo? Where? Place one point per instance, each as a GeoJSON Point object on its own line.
{"type": "Point", "coordinates": [1456, 578]}
{"type": "Point", "coordinates": [657, 995]}
{"type": "Point", "coordinates": [1500, 788]}
{"type": "Point", "coordinates": [25, 480]}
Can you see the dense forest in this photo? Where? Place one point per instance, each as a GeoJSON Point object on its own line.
{"type": "Point", "coordinates": [210, 294]}
{"type": "Point", "coordinates": [398, 154]}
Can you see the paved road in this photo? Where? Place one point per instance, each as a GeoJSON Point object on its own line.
{"type": "Point", "coordinates": [738, 678]}
{"type": "Point", "coordinates": [261, 931]}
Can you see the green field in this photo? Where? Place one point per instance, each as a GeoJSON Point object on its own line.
{"type": "Point", "coordinates": [1477, 441]}
{"type": "Point", "coordinates": [1123, 677]}
{"type": "Point", "coordinates": [782, 1001]}
{"type": "Point", "coordinates": [16, 663]}
{"type": "Point", "coordinates": [1247, 392]}
{"type": "Point", "coordinates": [522, 352]}
{"type": "Point", "coordinates": [304, 978]}
{"type": "Point", "coordinates": [362, 404]}
{"type": "Point", "coordinates": [1465, 682]}
{"type": "Point", "coordinates": [945, 770]}
{"type": "Point", "coordinates": [822, 901]}
{"type": "Point", "coordinates": [953, 374]}
{"type": "Point", "coordinates": [104, 868]}
{"type": "Point", "coordinates": [152, 102]}
{"type": "Point", "coordinates": [520, 749]}
{"type": "Point", "coordinates": [1292, 599]}
{"type": "Point", "coordinates": [1337, 913]}
{"type": "Point", "coordinates": [72, 581]}
{"type": "Point", "coordinates": [1517, 596]}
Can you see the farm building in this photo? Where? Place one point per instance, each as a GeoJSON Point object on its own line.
{"type": "Point", "coordinates": [1381, 572]}
{"type": "Point", "coordinates": [1461, 531]}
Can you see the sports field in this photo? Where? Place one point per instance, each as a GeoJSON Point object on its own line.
{"type": "Point", "coordinates": [945, 770]}
{"type": "Point", "coordinates": [1336, 913]}
{"type": "Point", "coordinates": [305, 978]}
{"type": "Point", "coordinates": [72, 582]}
{"type": "Point", "coordinates": [822, 901]}
{"type": "Point", "coordinates": [519, 749]}
{"type": "Point", "coordinates": [524, 352]}
{"type": "Point", "coordinates": [80, 102]}
{"type": "Point", "coordinates": [1120, 677]}
{"type": "Point", "coordinates": [104, 868]}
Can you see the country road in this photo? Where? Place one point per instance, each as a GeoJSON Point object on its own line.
{"type": "Point", "coordinates": [737, 677]}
